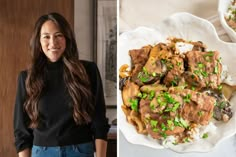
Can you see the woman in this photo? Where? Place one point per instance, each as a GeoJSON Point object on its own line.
{"type": "Point", "coordinates": [60, 108]}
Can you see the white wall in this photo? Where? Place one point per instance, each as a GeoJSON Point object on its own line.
{"type": "Point", "coordinates": [83, 25]}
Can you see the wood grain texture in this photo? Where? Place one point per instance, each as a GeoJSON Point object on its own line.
{"type": "Point", "coordinates": [17, 19]}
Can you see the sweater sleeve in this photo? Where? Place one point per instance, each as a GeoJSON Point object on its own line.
{"type": "Point", "coordinates": [23, 134]}
{"type": "Point", "coordinates": [100, 124]}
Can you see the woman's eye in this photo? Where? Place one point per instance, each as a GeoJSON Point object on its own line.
{"type": "Point", "coordinates": [59, 35]}
{"type": "Point", "coordinates": [46, 37]}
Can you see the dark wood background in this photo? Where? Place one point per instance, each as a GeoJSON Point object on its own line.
{"type": "Point", "coordinates": [17, 19]}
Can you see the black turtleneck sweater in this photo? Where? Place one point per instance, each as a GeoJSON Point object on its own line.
{"type": "Point", "coordinates": [57, 126]}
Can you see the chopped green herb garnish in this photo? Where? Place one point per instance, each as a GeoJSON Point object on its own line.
{"type": "Point", "coordinates": [197, 72]}
{"type": "Point", "coordinates": [208, 83]}
{"type": "Point", "coordinates": [210, 54]}
{"type": "Point", "coordinates": [173, 83]}
{"type": "Point", "coordinates": [179, 63]}
{"type": "Point", "coordinates": [164, 117]}
{"type": "Point", "coordinates": [215, 104]}
{"type": "Point", "coordinates": [145, 70]}
{"type": "Point", "coordinates": [176, 106]}
{"type": "Point", "coordinates": [163, 61]}
{"type": "Point", "coordinates": [168, 109]}
{"type": "Point", "coordinates": [220, 87]}
{"type": "Point", "coordinates": [187, 98]}
{"type": "Point", "coordinates": [134, 104]}
{"type": "Point", "coordinates": [205, 135]}
{"type": "Point", "coordinates": [168, 98]}
{"type": "Point", "coordinates": [180, 122]}
{"type": "Point", "coordinates": [175, 143]}
{"type": "Point", "coordinates": [184, 123]}
{"type": "Point", "coordinates": [186, 139]}
{"type": "Point", "coordinates": [170, 66]}
{"type": "Point", "coordinates": [216, 70]}
{"type": "Point", "coordinates": [222, 104]}
{"type": "Point", "coordinates": [170, 124]}
{"type": "Point", "coordinates": [144, 96]}
{"type": "Point", "coordinates": [155, 129]}
{"type": "Point", "coordinates": [152, 106]}
{"type": "Point", "coordinates": [204, 73]}
{"type": "Point", "coordinates": [164, 99]}
{"type": "Point", "coordinates": [143, 77]}
{"type": "Point", "coordinates": [163, 127]}
{"type": "Point", "coordinates": [140, 95]}
{"type": "Point", "coordinates": [153, 123]}
{"type": "Point", "coordinates": [151, 95]}
{"type": "Point", "coordinates": [200, 113]}
{"type": "Point", "coordinates": [200, 65]}
{"type": "Point", "coordinates": [154, 74]}
{"type": "Point", "coordinates": [207, 58]}
{"type": "Point", "coordinates": [161, 102]}
{"type": "Point", "coordinates": [163, 134]}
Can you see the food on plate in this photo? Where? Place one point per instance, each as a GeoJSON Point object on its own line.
{"type": "Point", "coordinates": [173, 89]}
{"type": "Point", "coordinates": [231, 15]}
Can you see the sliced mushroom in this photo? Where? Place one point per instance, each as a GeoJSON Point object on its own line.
{"type": "Point", "coordinates": [153, 87]}
{"type": "Point", "coordinates": [228, 90]}
{"type": "Point", "coordinates": [222, 110]}
{"type": "Point", "coordinates": [153, 65]}
{"type": "Point", "coordinates": [129, 92]}
{"type": "Point", "coordinates": [198, 46]}
{"type": "Point", "coordinates": [122, 82]}
{"type": "Point", "coordinates": [123, 71]}
{"type": "Point", "coordinates": [161, 51]}
{"type": "Point", "coordinates": [153, 70]}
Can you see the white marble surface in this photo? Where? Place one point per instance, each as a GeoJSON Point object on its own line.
{"type": "Point", "coordinates": [226, 148]}
{"type": "Point", "coordinates": [134, 13]}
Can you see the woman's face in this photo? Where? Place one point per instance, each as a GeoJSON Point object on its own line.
{"type": "Point", "coordinates": [52, 41]}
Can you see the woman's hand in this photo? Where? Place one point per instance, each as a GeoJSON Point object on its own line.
{"type": "Point", "coordinates": [25, 153]}
{"type": "Point", "coordinates": [101, 147]}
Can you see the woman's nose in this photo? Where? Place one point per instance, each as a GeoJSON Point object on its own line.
{"type": "Point", "coordinates": [53, 41]}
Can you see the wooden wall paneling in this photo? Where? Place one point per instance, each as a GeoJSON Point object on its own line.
{"type": "Point", "coordinates": [17, 19]}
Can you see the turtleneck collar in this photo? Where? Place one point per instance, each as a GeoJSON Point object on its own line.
{"type": "Point", "coordinates": [55, 65]}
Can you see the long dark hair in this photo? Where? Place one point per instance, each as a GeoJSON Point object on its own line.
{"type": "Point", "coordinates": [75, 76]}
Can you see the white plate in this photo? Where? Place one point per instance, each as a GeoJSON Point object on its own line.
{"type": "Point", "coordinates": [188, 27]}
{"type": "Point", "coordinates": [223, 6]}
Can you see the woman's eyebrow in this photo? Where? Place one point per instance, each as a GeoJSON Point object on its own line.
{"type": "Point", "coordinates": [46, 33]}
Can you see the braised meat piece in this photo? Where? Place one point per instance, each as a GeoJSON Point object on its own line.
{"type": "Point", "coordinates": [170, 113]}
{"type": "Point", "coordinates": [197, 107]}
{"type": "Point", "coordinates": [206, 66]}
{"type": "Point", "coordinates": [176, 68]}
{"type": "Point", "coordinates": [159, 114]}
{"type": "Point", "coordinates": [144, 108]}
{"type": "Point", "coordinates": [139, 58]}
